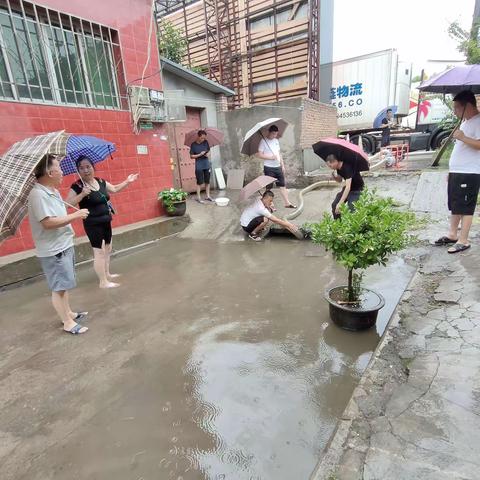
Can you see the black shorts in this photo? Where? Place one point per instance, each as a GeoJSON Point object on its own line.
{"type": "Point", "coordinates": [254, 223]}
{"type": "Point", "coordinates": [277, 173]}
{"type": "Point", "coordinates": [202, 176]}
{"type": "Point", "coordinates": [98, 233]}
{"type": "Point", "coordinates": [463, 193]}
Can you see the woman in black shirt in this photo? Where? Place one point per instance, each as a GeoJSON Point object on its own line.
{"type": "Point", "coordinates": [93, 194]}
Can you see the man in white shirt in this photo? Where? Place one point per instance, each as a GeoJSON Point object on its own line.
{"type": "Point", "coordinates": [257, 216]}
{"type": "Point", "coordinates": [273, 165]}
{"type": "Point", "coordinates": [53, 237]}
{"type": "Point", "coordinates": [464, 173]}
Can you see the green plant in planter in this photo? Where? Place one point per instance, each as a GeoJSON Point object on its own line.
{"type": "Point", "coordinates": [366, 236]}
{"type": "Point", "coordinates": [171, 196]}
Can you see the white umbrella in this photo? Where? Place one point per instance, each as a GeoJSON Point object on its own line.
{"type": "Point", "coordinates": [254, 136]}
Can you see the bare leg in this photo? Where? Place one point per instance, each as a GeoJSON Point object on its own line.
{"type": "Point", "coordinates": [107, 248]}
{"type": "Point", "coordinates": [207, 190]}
{"type": "Point", "coordinates": [100, 268]}
{"type": "Point", "coordinates": [454, 222]}
{"type": "Point", "coordinates": [199, 189]}
{"type": "Point", "coordinates": [62, 307]}
{"type": "Point", "coordinates": [466, 224]}
{"type": "Point", "coordinates": [284, 194]}
{"type": "Point", "coordinates": [66, 299]}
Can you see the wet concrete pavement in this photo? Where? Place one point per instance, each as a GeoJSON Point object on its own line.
{"type": "Point", "coordinates": [415, 413]}
{"type": "Point", "coordinates": [213, 360]}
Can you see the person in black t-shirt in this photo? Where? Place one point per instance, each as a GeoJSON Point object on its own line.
{"type": "Point", "coordinates": [200, 151]}
{"type": "Point", "coordinates": [387, 124]}
{"type": "Point", "coordinates": [93, 194]}
{"type": "Point", "coordinates": [354, 184]}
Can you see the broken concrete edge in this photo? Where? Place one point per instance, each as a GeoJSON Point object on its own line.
{"type": "Point", "coordinates": [18, 268]}
{"type": "Point", "coordinates": [326, 469]}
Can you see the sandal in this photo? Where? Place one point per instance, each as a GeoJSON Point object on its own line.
{"type": "Point", "coordinates": [458, 247]}
{"type": "Point", "coordinates": [80, 315]}
{"type": "Point", "coordinates": [76, 329]}
{"type": "Point", "coordinates": [199, 201]}
{"type": "Point", "coordinates": [290, 206]}
{"type": "Point", "coordinates": [209, 199]}
{"type": "Point", "coordinates": [444, 241]}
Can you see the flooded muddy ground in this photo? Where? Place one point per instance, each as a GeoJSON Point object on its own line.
{"type": "Point", "coordinates": [211, 361]}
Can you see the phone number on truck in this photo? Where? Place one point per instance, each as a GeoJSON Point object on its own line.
{"type": "Point", "coordinates": [355, 113]}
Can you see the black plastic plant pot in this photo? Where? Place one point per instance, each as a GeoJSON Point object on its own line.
{"type": "Point", "coordinates": [179, 209]}
{"type": "Point", "coordinates": [354, 316]}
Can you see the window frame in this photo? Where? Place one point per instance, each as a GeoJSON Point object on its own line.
{"type": "Point", "coordinates": [48, 24]}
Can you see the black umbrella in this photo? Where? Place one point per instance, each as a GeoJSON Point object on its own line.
{"type": "Point", "coordinates": [345, 151]}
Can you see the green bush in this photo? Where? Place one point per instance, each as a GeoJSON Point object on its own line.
{"type": "Point", "coordinates": [171, 196]}
{"type": "Point", "coordinates": [171, 43]}
{"type": "Point", "coordinates": [366, 236]}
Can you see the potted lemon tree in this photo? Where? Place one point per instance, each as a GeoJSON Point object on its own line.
{"type": "Point", "coordinates": [174, 201]}
{"type": "Point", "coordinates": [364, 236]}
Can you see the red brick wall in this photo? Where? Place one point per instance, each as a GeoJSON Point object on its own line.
{"type": "Point", "coordinates": [20, 120]}
{"type": "Point", "coordinates": [319, 120]}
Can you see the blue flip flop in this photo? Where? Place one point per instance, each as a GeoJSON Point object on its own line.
{"type": "Point", "coordinates": [76, 329]}
{"type": "Point", "coordinates": [80, 315]}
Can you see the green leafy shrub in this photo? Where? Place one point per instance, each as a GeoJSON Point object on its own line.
{"type": "Point", "coordinates": [171, 196]}
{"type": "Point", "coordinates": [366, 236]}
{"type": "Point", "coordinates": [171, 43]}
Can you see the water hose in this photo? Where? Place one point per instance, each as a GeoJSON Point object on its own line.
{"type": "Point", "coordinates": [328, 183]}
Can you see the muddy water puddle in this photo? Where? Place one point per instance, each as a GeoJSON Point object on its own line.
{"type": "Point", "coordinates": [212, 361]}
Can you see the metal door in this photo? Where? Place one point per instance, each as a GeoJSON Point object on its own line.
{"type": "Point", "coordinates": [186, 164]}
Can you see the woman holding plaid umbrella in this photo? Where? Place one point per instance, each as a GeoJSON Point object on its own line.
{"type": "Point", "coordinates": [93, 193]}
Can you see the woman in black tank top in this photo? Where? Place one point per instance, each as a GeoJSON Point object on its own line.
{"type": "Point", "coordinates": [93, 193]}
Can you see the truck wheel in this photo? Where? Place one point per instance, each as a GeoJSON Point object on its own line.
{"type": "Point", "coordinates": [366, 143]}
{"type": "Point", "coordinates": [369, 144]}
{"type": "Point", "coordinates": [440, 139]}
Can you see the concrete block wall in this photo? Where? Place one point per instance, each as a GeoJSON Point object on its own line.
{"type": "Point", "coordinates": [319, 120]}
{"type": "Point", "coordinates": [308, 121]}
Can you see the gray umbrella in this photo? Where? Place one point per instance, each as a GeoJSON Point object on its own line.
{"type": "Point", "coordinates": [254, 136]}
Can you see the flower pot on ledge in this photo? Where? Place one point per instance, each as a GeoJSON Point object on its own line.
{"type": "Point", "coordinates": [179, 209]}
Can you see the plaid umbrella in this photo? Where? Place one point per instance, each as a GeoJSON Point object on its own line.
{"type": "Point", "coordinates": [95, 149]}
{"type": "Point", "coordinates": [17, 179]}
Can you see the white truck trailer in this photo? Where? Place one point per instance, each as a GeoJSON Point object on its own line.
{"type": "Point", "coordinates": [362, 88]}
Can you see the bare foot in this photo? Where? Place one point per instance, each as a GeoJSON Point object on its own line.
{"type": "Point", "coordinates": [109, 285]}
{"type": "Point", "coordinates": [111, 276]}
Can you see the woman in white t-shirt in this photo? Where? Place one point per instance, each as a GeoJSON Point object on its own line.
{"type": "Point", "coordinates": [273, 166]}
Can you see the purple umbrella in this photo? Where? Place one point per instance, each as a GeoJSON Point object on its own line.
{"type": "Point", "coordinates": [454, 80]}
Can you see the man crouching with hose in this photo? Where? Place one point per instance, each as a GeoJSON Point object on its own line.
{"type": "Point", "coordinates": [257, 218]}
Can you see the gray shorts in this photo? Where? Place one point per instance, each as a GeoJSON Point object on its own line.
{"type": "Point", "coordinates": [59, 270]}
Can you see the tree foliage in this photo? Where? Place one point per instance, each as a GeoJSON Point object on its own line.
{"type": "Point", "coordinates": [365, 236]}
{"type": "Point", "coordinates": [467, 40]}
{"type": "Point", "coordinates": [171, 43]}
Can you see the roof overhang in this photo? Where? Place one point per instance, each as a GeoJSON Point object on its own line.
{"type": "Point", "coordinates": [195, 78]}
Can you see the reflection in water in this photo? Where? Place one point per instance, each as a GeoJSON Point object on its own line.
{"type": "Point", "coordinates": [271, 405]}
{"type": "Point", "coordinates": [213, 361]}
